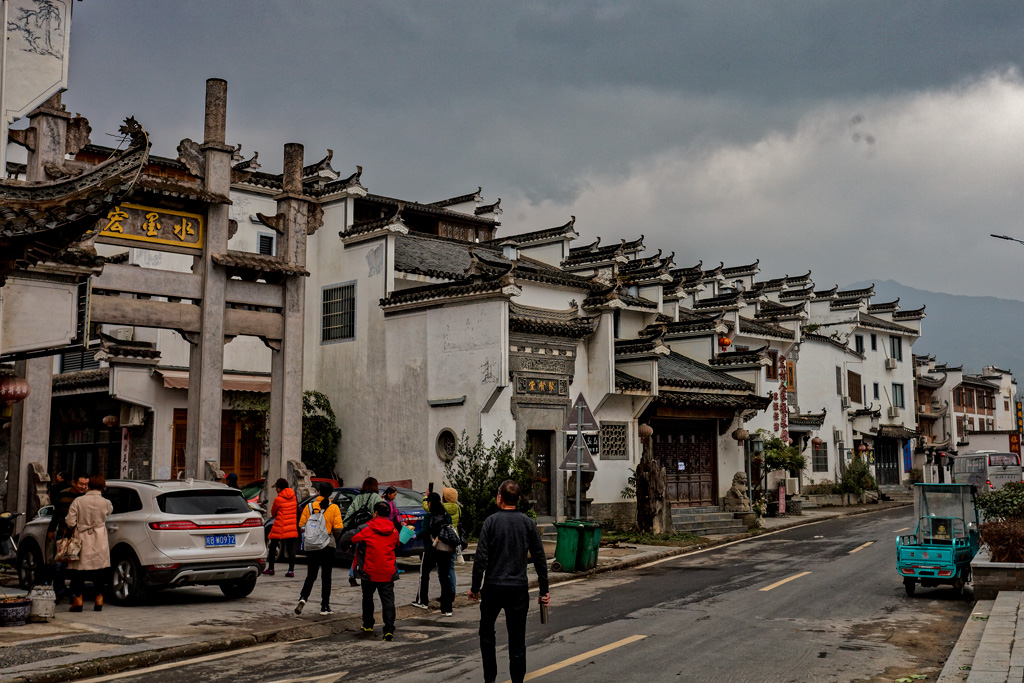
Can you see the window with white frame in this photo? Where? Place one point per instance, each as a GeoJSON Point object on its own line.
{"type": "Point", "coordinates": [819, 457]}
{"type": "Point", "coordinates": [338, 313]}
{"type": "Point", "coordinates": [897, 396]}
{"type": "Point", "coordinates": [266, 243]}
{"type": "Point", "coordinates": [896, 348]}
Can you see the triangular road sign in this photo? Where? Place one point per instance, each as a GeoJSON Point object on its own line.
{"type": "Point", "coordinates": [589, 423]}
{"type": "Point", "coordinates": [587, 458]}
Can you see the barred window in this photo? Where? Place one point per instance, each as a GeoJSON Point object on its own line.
{"type": "Point", "coordinates": [819, 458]}
{"type": "Point", "coordinates": [338, 313]}
{"type": "Point", "coordinates": [613, 441]}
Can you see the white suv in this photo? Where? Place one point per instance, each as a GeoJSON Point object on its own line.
{"type": "Point", "coordinates": [169, 533]}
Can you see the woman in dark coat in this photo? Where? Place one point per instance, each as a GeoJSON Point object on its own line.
{"type": "Point", "coordinates": [436, 519]}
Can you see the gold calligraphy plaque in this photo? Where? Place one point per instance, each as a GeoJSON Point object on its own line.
{"type": "Point", "coordinates": [154, 226]}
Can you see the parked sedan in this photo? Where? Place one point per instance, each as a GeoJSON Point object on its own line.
{"type": "Point", "coordinates": [168, 533]}
{"type": "Point", "coordinates": [410, 505]}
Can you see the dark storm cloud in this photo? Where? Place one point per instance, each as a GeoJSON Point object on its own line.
{"type": "Point", "coordinates": [695, 120]}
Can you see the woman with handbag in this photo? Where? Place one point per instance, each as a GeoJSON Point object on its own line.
{"type": "Point", "coordinates": [438, 552]}
{"type": "Point", "coordinates": [87, 520]}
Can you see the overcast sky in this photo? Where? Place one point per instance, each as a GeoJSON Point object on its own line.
{"type": "Point", "coordinates": [860, 140]}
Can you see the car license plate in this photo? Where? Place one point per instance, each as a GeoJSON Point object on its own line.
{"type": "Point", "coordinates": [220, 540]}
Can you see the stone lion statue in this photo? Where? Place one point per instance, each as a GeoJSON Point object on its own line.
{"type": "Point", "coordinates": [736, 499]}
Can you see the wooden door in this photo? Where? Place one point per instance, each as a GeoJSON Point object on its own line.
{"type": "Point", "coordinates": [686, 449]}
{"type": "Point", "coordinates": [539, 444]}
{"type": "Point", "coordinates": [887, 462]}
{"type": "Point", "coordinates": [179, 427]}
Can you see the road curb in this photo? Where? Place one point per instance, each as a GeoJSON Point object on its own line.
{"type": "Point", "coordinates": [350, 622]}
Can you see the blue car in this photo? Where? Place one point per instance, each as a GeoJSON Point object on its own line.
{"type": "Point", "coordinates": [410, 505]}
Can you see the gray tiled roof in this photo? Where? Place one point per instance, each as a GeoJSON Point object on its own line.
{"type": "Point", "coordinates": [676, 370]}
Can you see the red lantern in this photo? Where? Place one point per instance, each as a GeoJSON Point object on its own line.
{"type": "Point", "coordinates": [110, 420]}
{"type": "Point", "coordinates": [724, 342]}
{"type": "Point", "coordinates": [645, 431]}
{"type": "Point", "coordinates": [14, 389]}
{"type": "Point", "coordinates": [816, 441]}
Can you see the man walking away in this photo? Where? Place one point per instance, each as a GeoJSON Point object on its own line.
{"type": "Point", "coordinates": [500, 568]}
{"type": "Point", "coordinates": [321, 516]}
{"type": "Point", "coordinates": [379, 569]}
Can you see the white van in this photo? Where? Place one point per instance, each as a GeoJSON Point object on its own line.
{"type": "Point", "coordinates": [988, 470]}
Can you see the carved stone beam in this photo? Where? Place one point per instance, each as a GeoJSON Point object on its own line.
{"type": "Point", "coordinates": [275, 222]}
{"type": "Point", "coordinates": [190, 155]}
{"type": "Point", "coordinates": [25, 137]}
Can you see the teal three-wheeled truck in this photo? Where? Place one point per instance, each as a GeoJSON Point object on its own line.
{"type": "Point", "coordinates": [940, 550]}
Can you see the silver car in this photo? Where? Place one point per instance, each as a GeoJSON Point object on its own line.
{"type": "Point", "coordinates": [164, 534]}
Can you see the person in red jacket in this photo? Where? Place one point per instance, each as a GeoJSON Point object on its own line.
{"type": "Point", "coordinates": [378, 571]}
{"type": "Point", "coordinates": [285, 531]}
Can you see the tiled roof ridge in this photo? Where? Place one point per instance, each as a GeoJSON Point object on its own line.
{"type": "Point", "coordinates": [868, 320]}
{"type": "Point", "coordinates": [885, 306]}
{"type": "Point", "coordinates": [733, 271]}
{"type": "Point", "coordinates": [480, 284]}
{"type": "Point", "coordinates": [429, 208]}
{"type": "Point", "coordinates": [536, 235]}
{"type": "Point", "coordinates": [861, 293]}
{"type": "Point", "coordinates": [766, 329]}
{"type": "Point", "coordinates": [461, 199]}
{"type": "Point", "coordinates": [489, 208]}
{"type": "Point", "coordinates": [914, 314]}
{"type": "Point", "coordinates": [748, 357]}
{"type": "Point", "coordinates": [715, 379]}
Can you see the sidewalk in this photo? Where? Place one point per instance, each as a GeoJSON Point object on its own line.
{"type": "Point", "coordinates": [991, 647]}
{"type": "Point", "coordinates": [188, 622]}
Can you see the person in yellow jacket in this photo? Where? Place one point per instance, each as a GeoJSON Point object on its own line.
{"type": "Point", "coordinates": [322, 559]}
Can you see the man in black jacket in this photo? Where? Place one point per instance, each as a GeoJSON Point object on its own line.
{"type": "Point", "coordinates": [500, 568]}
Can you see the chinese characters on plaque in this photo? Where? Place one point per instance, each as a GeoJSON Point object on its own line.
{"type": "Point", "coordinates": [543, 386]}
{"type": "Point", "coordinates": [155, 226]}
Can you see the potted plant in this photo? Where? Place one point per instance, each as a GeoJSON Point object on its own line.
{"type": "Point", "coordinates": [14, 611]}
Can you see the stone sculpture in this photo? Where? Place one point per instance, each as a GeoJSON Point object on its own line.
{"type": "Point", "coordinates": [736, 499]}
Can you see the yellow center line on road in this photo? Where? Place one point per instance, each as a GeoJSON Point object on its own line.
{"type": "Point", "coordinates": [319, 678]}
{"type": "Point", "coordinates": [579, 658]}
{"type": "Point", "coordinates": [861, 547]}
{"type": "Point", "coordinates": [906, 528]}
{"type": "Point", "coordinates": [779, 583]}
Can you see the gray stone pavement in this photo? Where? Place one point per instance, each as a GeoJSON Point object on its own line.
{"type": "Point", "coordinates": [187, 622]}
{"type": "Point", "coordinates": [991, 647]}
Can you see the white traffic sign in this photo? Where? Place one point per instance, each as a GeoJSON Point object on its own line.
{"type": "Point", "coordinates": [586, 459]}
{"type": "Point", "coordinates": [573, 421]}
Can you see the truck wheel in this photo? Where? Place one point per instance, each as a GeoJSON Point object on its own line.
{"type": "Point", "coordinates": [958, 587]}
{"type": "Point", "coordinates": [910, 585]}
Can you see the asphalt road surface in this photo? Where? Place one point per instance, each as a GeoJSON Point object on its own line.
{"type": "Point", "coordinates": [821, 602]}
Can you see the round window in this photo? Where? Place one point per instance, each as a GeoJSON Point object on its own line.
{"type": "Point", "coordinates": [446, 444]}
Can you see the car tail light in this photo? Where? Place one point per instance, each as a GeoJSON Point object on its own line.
{"type": "Point", "coordinates": [163, 566]}
{"type": "Point", "coordinates": [910, 570]}
{"type": "Point", "coordinates": [945, 572]}
{"type": "Point", "coordinates": [990, 485]}
{"type": "Point", "coordinates": [251, 522]}
{"type": "Point", "coordinates": [183, 525]}
{"type": "Point", "coordinates": [410, 519]}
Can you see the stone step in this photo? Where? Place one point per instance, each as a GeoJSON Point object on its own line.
{"type": "Point", "coordinates": [706, 517]}
{"type": "Point", "coordinates": [706, 528]}
{"type": "Point", "coordinates": [676, 507]}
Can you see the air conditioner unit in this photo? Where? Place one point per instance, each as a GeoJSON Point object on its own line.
{"type": "Point", "coordinates": [846, 402]}
{"type": "Point", "coordinates": [837, 435]}
{"type": "Point", "coordinates": [890, 363]}
{"type": "Point", "coordinates": [893, 411]}
{"type": "Point", "coordinates": [792, 486]}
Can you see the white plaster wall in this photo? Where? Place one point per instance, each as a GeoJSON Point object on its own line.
{"type": "Point", "coordinates": [552, 253]}
{"type": "Point", "coordinates": [817, 386]}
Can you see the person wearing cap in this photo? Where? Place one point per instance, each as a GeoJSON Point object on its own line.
{"type": "Point", "coordinates": [232, 481]}
{"type": "Point", "coordinates": [285, 532]}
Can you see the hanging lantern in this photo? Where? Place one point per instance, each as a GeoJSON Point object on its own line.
{"type": "Point", "coordinates": [645, 431]}
{"type": "Point", "coordinates": [816, 441]}
{"type": "Point", "coordinates": [862, 447]}
{"type": "Point", "coordinates": [741, 434]}
{"type": "Point", "coordinates": [724, 342]}
{"type": "Point", "coordinates": [110, 420]}
{"type": "Point", "coordinates": [14, 389]}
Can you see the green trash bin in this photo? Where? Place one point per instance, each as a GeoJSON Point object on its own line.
{"type": "Point", "coordinates": [577, 545]}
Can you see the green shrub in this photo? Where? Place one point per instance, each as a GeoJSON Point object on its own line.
{"type": "Point", "coordinates": [477, 470]}
{"type": "Point", "coordinates": [915, 475]}
{"type": "Point", "coordinates": [857, 478]}
{"type": "Point", "coordinates": [1005, 540]}
{"type": "Point", "coordinates": [320, 434]}
{"type": "Point", "coordinates": [1005, 503]}
{"type": "Point", "coordinates": [825, 487]}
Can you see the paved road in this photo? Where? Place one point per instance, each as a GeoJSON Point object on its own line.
{"type": "Point", "coordinates": [817, 603]}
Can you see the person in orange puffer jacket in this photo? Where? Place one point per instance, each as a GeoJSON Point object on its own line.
{"type": "Point", "coordinates": [285, 531]}
{"type": "Point", "coordinates": [379, 570]}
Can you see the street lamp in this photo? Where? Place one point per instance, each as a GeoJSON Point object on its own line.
{"type": "Point", "coordinates": [755, 446]}
{"type": "Point", "coordinates": [1007, 237]}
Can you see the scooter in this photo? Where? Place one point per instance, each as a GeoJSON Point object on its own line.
{"type": "Point", "coordinates": [8, 547]}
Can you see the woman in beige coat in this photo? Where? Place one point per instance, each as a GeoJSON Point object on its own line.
{"type": "Point", "coordinates": [87, 517]}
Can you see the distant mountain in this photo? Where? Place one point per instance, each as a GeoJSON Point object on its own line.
{"type": "Point", "coordinates": [973, 331]}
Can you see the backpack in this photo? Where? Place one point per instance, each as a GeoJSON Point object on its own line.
{"type": "Point", "coordinates": [361, 516]}
{"type": "Point", "coordinates": [316, 536]}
